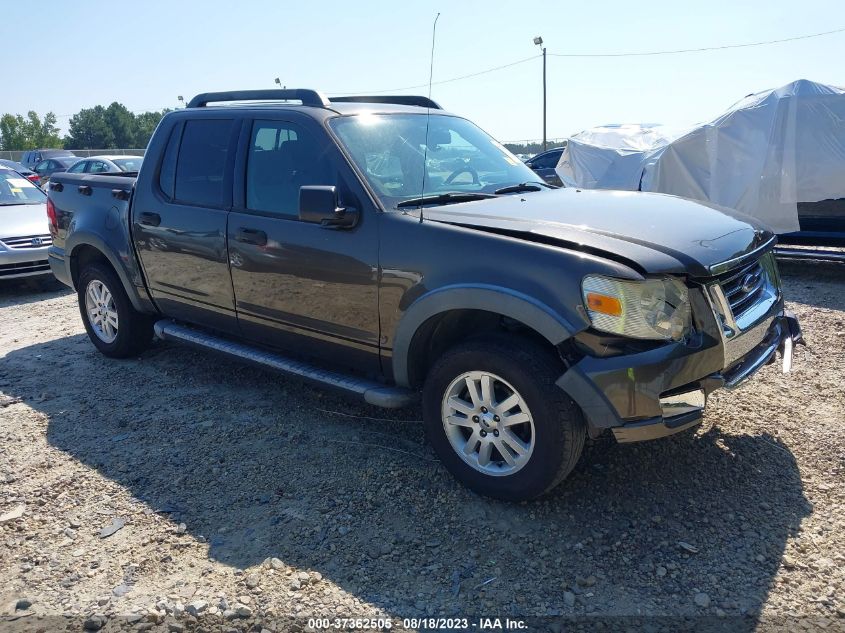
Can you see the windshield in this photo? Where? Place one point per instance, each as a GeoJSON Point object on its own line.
{"type": "Point", "coordinates": [390, 150]}
{"type": "Point", "coordinates": [128, 164]}
{"type": "Point", "coordinates": [15, 189]}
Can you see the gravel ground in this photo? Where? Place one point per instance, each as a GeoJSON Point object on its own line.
{"type": "Point", "coordinates": [234, 494]}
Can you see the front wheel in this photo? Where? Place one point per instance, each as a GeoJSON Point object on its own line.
{"type": "Point", "coordinates": [497, 420]}
{"type": "Point", "coordinates": [113, 325]}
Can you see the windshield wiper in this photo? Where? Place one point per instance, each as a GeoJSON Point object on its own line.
{"type": "Point", "coordinates": [445, 198]}
{"type": "Point", "coordinates": [521, 188]}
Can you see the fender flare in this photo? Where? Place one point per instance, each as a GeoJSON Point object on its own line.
{"type": "Point", "coordinates": [510, 303]}
{"type": "Point", "coordinates": [93, 240]}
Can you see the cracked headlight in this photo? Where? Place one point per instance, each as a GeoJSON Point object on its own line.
{"type": "Point", "coordinates": [649, 309]}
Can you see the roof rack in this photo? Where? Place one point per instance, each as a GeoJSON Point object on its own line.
{"type": "Point", "coordinates": [410, 100]}
{"type": "Point", "coordinates": [306, 96]}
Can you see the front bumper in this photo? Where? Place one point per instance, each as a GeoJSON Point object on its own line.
{"type": "Point", "coordinates": [17, 263]}
{"type": "Point", "coordinates": [660, 392]}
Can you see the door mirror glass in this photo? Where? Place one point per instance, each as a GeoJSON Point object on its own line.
{"type": "Point", "coordinates": [321, 205]}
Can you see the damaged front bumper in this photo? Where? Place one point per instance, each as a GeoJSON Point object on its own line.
{"type": "Point", "coordinates": [652, 394]}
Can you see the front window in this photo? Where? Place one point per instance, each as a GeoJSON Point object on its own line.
{"type": "Point", "coordinates": [15, 189]}
{"type": "Point", "coordinates": [408, 156]}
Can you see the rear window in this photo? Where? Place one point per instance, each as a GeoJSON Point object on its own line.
{"type": "Point", "coordinates": [128, 164]}
{"type": "Point", "coordinates": [201, 164]}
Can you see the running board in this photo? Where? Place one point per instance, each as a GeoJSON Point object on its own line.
{"type": "Point", "coordinates": [371, 391]}
{"type": "Point", "coordinates": [783, 252]}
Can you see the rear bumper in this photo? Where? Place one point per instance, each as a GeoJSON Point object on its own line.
{"type": "Point", "coordinates": [58, 264]}
{"type": "Point", "coordinates": [661, 392]}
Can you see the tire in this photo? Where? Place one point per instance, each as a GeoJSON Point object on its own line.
{"type": "Point", "coordinates": [121, 331]}
{"type": "Point", "coordinates": [547, 446]}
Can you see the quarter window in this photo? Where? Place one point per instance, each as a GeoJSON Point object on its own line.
{"type": "Point", "coordinates": [282, 158]}
{"type": "Point", "coordinates": [201, 165]}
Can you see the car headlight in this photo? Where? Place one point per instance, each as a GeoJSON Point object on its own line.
{"type": "Point", "coordinates": [649, 309]}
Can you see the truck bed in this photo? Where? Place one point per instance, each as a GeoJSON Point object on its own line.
{"type": "Point", "coordinates": [96, 206]}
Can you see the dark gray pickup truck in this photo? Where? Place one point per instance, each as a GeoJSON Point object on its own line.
{"type": "Point", "coordinates": [383, 247]}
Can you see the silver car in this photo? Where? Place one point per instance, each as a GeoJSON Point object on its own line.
{"type": "Point", "coordinates": [24, 236]}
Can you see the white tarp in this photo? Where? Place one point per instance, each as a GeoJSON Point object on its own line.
{"type": "Point", "coordinates": [768, 152]}
{"type": "Point", "coordinates": [609, 156]}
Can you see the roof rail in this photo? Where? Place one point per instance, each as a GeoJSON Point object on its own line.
{"type": "Point", "coordinates": [410, 100]}
{"type": "Point", "coordinates": [306, 96]}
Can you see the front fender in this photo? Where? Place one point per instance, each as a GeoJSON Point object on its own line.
{"type": "Point", "coordinates": [552, 326]}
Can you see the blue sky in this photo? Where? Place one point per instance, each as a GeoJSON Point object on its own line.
{"type": "Point", "coordinates": [144, 54]}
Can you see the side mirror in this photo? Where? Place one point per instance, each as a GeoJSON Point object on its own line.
{"type": "Point", "coordinates": [320, 205]}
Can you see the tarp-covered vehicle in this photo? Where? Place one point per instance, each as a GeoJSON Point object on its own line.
{"type": "Point", "coordinates": [777, 156]}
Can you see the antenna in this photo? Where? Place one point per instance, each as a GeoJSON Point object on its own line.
{"type": "Point", "coordinates": [428, 113]}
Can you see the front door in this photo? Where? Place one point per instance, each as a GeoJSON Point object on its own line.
{"type": "Point", "coordinates": [179, 224]}
{"type": "Point", "coordinates": [299, 286]}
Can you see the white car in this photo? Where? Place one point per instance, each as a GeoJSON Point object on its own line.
{"type": "Point", "coordinates": [106, 164]}
{"type": "Point", "coordinates": [24, 236]}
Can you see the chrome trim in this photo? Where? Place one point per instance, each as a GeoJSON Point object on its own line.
{"type": "Point", "coordinates": [680, 403]}
{"type": "Point", "coordinates": [762, 359]}
{"type": "Point", "coordinates": [723, 267]}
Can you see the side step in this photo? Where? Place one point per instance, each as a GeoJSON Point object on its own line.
{"type": "Point", "coordinates": [372, 392]}
{"type": "Point", "coordinates": [818, 254]}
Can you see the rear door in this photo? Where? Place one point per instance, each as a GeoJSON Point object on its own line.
{"type": "Point", "coordinates": [300, 286]}
{"type": "Point", "coordinates": [179, 223]}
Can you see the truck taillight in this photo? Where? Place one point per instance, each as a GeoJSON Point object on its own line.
{"type": "Point", "coordinates": [51, 215]}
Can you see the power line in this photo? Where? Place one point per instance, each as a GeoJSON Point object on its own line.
{"type": "Point", "coordinates": [579, 55]}
{"type": "Point", "coordinates": [437, 83]}
{"type": "Point", "coordinates": [700, 50]}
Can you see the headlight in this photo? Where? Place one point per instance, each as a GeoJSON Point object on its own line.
{"type": "Point", "coordinates": [649, 309]}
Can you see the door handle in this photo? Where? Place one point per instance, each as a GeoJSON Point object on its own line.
{"type": "Point", "coordinates": [150, 219]}
{"type": "Point", "coordinates": [120, 194]}
{"type": "Point", "coordinates": [85, 190]}
{"type": "Point", "coordinates": [251, 236]}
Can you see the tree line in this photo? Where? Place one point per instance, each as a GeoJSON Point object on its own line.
{"type": "Point", "coordinates": [100, 127]}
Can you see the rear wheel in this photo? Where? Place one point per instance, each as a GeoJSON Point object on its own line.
{"type": "Point", "coordinates": [113, 325]}
{"type": "Point", "coordinates": [497, 420]}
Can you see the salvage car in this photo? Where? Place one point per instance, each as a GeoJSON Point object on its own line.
{"type": "Point", "coordinates": [23, 228]}
{"type": "Point", "coordinates": [106, 164]}
{"type": "Point", "coordinates": [23, 171]}
{"type": "Point", "coordinates": [385, 248]}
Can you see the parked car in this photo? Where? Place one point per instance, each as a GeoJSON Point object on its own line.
{"type": "Point", "coordinates": [27, 173]}
{"type": "Point", "coordinates": [49, 166]}
{"type": "Point", "coordinates": [544, 165]}
{"type": "Point", "coordinates": [525, 317]}
{"type": "Point", "coordinates": [32, 157]}
{"type": "Point", "coordinates": [106, 164]}
{"type": "Point", "coordinates": [23, 228]}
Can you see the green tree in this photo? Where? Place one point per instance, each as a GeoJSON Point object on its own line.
{"type": "Point", "coordinates": [122, 123]}
{"type": "Point", "coordinates": [19, 133]}
{"type": "Point", "coordinates": [89, 129]}
{"type": "Point", "coordinates": [146, 123]}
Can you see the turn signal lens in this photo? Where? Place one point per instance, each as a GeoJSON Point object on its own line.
{"type": "Point", "coordinates": [604, 304]}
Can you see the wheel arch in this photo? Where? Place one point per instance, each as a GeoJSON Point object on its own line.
{"type": "Point", "coordinates": [421, 320]}
{"type": "Point", "coordinates": [92, 248]}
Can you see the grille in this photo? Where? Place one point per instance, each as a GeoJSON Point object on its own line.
{"type": "Point", "coordinates": [28, 241]}
{"type": "Point", "coordinates": [22, 268]}
{"type": "Point", "coordinates": [744, 287]}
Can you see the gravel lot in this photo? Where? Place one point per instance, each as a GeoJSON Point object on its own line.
{"type": "Point", "coordinates": [243, 495]}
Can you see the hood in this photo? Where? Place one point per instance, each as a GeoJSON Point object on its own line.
{"type": "Point", "coordinates": [654, 233]}
{"type": "Point", "coordinates": [21, 220]}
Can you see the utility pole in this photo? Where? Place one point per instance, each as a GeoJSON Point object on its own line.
{"type": "Point", "coordinates": [539, 42]}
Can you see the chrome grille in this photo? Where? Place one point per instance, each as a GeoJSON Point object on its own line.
{"type": "Point", "coordinates": [743, 296]}
{"type": "Point", "coordinates": [24, 268]}
{"type": "Point", "coordinates": [744, 287]}
{"type": "Point", "coordinates": [27, 241]}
